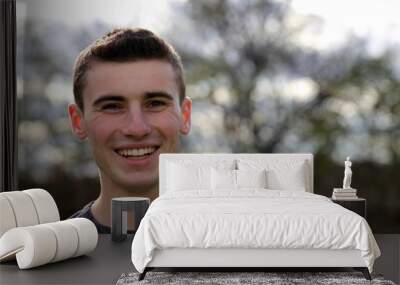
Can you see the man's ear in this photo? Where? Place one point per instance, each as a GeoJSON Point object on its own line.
{"type": "Point", "coordinates": [77, 123]}
{"type": "Point", "coordinates": [186, 109]}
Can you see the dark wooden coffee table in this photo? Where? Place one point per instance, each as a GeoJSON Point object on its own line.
{"type": "Point", "coordinates": [104, 265]}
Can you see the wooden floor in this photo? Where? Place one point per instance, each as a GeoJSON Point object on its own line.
{"type": "Point", "coordinates": [389, 262]}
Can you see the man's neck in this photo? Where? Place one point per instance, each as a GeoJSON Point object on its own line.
{"type": "Point", "coordinates": [101, 208]}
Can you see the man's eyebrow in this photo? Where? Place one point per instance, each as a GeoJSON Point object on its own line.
{"type": "Point", "coordinates": [105, 98]}
{"type": "Point", "coordinates": [156, 94]}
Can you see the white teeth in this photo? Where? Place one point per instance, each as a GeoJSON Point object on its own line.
{"type": "Point", "coordinates": [136, 151]}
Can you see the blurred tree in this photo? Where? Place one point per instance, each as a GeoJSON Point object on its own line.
{"type": "Point", "coordinates": [278, 95]}
{"type": "Point", "coordinates": [238, 45]}
{"type": "Point", "coordinates": [251, 50]}
{"type": "Point", "coordinates": [46, 57]}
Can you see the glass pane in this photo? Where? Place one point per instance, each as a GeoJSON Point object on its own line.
{"type": "Point", "coordinates": [264, 76]}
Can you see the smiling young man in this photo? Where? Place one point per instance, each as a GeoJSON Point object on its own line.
{"type": "Point", "coordinates": [130, 104]}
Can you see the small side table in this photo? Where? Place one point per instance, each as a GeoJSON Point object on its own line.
{"type": "Point", "coordinates": [358, 205]}
{"type": "Point", "coordinates": [119, 214]}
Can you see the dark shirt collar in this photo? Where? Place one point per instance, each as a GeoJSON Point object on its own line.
{"type": "Point", "coordinates": [86, 212]}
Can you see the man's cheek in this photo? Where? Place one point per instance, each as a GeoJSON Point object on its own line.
{"type": "Point", "coordinates": [170, 120]}
{"type": "Point", "coordinates": [170, 129]}
{"type": "Point", "coordinates": [101, 130]}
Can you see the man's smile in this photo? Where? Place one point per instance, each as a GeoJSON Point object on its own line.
{"type": "Point", "coordinates": [137, 152]}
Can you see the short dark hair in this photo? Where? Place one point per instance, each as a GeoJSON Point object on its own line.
{"type": "Point", "coordinates": [121, 45]}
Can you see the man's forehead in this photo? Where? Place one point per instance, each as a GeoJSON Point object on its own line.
{"type": "Point", "coordinates": [159, 71]}
{"type": "Point", "coordinates": [130, 79]}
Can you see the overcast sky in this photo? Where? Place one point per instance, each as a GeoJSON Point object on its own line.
{"type": "Point", "coordinates": [378, 20]}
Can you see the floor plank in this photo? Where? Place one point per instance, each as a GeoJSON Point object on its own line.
{"type": "Point", "coordinates": [389, 262]}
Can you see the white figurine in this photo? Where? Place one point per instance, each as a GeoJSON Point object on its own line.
{"type": "Point", "coordinates": [347, 174]}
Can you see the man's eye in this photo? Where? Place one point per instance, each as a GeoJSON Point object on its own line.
{"type": "Point", "coordinates": [111, 107]}
{"type": "Point", "coordinates": [156, 104]}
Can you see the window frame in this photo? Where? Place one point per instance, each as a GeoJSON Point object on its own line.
{"type": "Point", "coordinates": [8, 96]}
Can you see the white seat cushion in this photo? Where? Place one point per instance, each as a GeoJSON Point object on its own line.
{"type": "Point", "coordinates": [26, 208]}
{"type": "Point", "coordinates": [23, 208]}
{"type": "Point", "coordinates": [7, 220]}
{"type": "Point", "coordinates": [40, 244]}
{"type": "Point", "coordinates": [45, 205]}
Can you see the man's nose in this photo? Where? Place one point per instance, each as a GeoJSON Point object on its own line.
{"type": "Point", "coordinates": [136, 124]}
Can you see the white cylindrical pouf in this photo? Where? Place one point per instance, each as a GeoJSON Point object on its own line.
{"type": "Point", "coordinates": [40, 244]}
{"type": "Point", "coordinates": [87, 235]}
{"type": "Point", "coordinates": [23, 208]}
{"type": "Point", "coordinates": [67, 239]}
{"type": "Point", "coordinates": [45, 205]}
{"type": "Point", "coordinates": [34, 246]}
{"type": "Point", "coordinates": [7, 218]}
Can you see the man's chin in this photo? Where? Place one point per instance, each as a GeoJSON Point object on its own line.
{"type": "Point", "coordinates": [148, 191]}
{"type": "Point", "coordinates": [141, 186]}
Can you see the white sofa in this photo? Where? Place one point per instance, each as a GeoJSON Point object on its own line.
{"type": "Point", "coordinates": [31, 231]}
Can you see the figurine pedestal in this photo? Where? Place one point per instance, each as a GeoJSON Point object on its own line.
{"type": "Point", "coordinates": [344, 189]}
{"type": "Point", "coordinates": [344, 193]}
